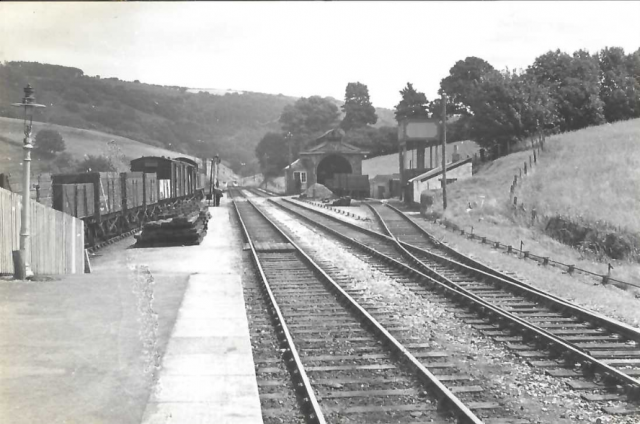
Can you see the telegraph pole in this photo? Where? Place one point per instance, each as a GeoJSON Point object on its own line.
{"type": "Point", "coordinates": [288, 136]}
{"type": "Point", "coordinates": [444, 155]}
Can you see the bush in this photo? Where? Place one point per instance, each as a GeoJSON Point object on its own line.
{"type": "Point", "coordinates": [48, 143]}
{"type": "Point", "coordinates": [72, 107]}
{"type": "Point", "coordinates": [96, 164]}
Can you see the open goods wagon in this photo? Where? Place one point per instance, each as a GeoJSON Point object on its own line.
{"type": "Point", "coordinates": [112, 203]}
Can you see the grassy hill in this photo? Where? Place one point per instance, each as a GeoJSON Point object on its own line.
{"type": "Point", "coordinates": [78, 143]}
{"type": "Point", "coordinates": [588, 180]}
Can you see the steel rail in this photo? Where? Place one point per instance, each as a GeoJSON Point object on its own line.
{"type": "Point", "coordinates": [309, 398]}
{"type": "Point", "coordinates": [571, 351]}
{"type": "Point", "coordinates": [504, 280]}
{"type": "Point", "coordinates": [445, 397]}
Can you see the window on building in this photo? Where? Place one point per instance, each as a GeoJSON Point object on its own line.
{"type": "Point", "coordinates": [302, 176]}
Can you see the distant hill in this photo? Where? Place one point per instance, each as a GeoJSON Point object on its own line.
{"type": "Point", "coordinates": [201, 122]}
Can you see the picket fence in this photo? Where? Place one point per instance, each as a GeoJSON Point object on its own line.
{"type": "Point", "coordinates": [56, 239]}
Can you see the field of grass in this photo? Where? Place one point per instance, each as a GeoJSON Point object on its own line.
{"type": "Point", "coordinates": [591, 176]}
{"type": "Point", "coordinates": [594, 176]}
{"type": "Point", "coordinates": [79, 143]}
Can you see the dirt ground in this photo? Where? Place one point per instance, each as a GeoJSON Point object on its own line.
{"type": "Point", "coordinates": [85, 348]}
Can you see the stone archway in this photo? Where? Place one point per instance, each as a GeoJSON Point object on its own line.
{"type": "Point", "coordinates": [331, 165]}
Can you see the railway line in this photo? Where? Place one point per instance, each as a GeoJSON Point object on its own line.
{"type": "Point", "coordinates": [598, 355]}
{"type": "Point", "coordinates": [350, 361]}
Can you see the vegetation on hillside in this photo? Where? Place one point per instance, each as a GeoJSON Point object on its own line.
{"type": "Point", "coordinates": [79, 144]}
{"type": "Point", "coordinates": [171, 117]}
{"type": "Point", "coordinates": [557, 93]}
{"type": "Point", "coordinates": [588, 179]}
{"type": "Point", "coordinates": [200, 124]}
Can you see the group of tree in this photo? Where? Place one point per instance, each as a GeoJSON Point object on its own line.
{"type": "Point", "coordinates": [558, 92]}
{"type": "Point", "coordinates": [304, 121]}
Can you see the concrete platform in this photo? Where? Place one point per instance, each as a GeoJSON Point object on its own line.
{"type": "Point", "coordinates": [152, 335]}
{"type": "Point", "coordinates": [207, 373]}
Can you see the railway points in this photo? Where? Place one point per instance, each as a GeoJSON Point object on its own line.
{"type": "Point", "coordinates": [625, 339]}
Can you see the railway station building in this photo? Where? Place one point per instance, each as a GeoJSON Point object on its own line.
{"type": "Point", "coordinates": [330, 162]}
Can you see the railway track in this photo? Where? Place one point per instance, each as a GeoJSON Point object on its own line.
{"type": "Point", "coordinates": [548, 331]}
{"type": "Point", "coordinates": [347, 365]}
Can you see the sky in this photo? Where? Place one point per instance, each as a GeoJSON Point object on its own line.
{"type": "Point", "coordinates": [306, 48]}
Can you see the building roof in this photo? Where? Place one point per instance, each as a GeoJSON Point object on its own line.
{"type": "Point", "coordinates": [389, 164]}
{"type": "Point", "coordinates": [332, 142]}
{"type": "Point", "coordinates": [437, 171]}
{"type": "Point", "coordinates": [334, 147]}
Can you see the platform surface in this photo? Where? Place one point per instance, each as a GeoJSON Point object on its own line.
{"type": "Point", "coordinates": [154, 335]}
{"type": "Point", "coordinates": [208, 373]}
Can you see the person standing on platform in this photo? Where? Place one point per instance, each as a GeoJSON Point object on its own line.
{"type": "Point", "coordinates": [217, 195]}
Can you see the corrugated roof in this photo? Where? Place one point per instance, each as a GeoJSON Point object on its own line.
{"type": "Point", "coordinates": [437, 171]}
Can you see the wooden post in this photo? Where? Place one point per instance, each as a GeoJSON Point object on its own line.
{"type": "Point", "coordinates": [444, 154]}
{"type": "Point", "coordinates": [431, 156]}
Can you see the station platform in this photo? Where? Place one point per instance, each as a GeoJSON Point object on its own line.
{"type": "Point", "coordinates": [208, 373]}
{"type": "Point", "coordinates": [152, 335]}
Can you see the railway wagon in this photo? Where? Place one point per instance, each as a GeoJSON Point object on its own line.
{"type": "Point", "coordinates": [176, 177]}
{"type": "Point", "coordinates": [87, 194]}
{"type": "Point", "coordinates": [356, 186]}
{"type": "Point", "coordinates": [112, 203]}
{"type": "Point", "coordinates": [191, 177]}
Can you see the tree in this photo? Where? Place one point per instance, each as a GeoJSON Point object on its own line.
{"type": "Point", "coordinates": [461, 86]}
{"type": "Point", "coordinates": [313, 115]}
{"type": "Point", "coordinates": [96, 164]}
{"type": "Point", "coordinates": [574, 85]}
{"type": "Point", "coordinates": [507, 107]}
{"type": "Point", "coordinates": [413, 104]}
{"type": "Point", "coordinates": [48, 143]}
{"type": "Point", "coordinates": [359, 112]}
{"type": "Point", "coordinates": [272, 153]}
{"type": "Point", "coordinates": [619, 90]}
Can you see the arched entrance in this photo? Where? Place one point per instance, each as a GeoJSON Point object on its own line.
{"type": "Point", "coordinates": [332, 164]}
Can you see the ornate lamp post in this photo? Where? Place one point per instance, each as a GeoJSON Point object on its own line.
{"type": "Point", "coordinates": [23, 269]}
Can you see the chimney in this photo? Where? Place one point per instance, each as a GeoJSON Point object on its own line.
{"type": "Point", "coordinates": [455, 156]}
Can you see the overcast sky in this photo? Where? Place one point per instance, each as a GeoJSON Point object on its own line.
{"type": "Point", "coordinates": [306, 48]}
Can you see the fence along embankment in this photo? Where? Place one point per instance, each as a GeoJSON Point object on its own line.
{"type": "Point", "coordinates": [56, 239]}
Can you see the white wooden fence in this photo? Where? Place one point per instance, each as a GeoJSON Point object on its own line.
{"type": "Point", "coordinates": [56, 239]}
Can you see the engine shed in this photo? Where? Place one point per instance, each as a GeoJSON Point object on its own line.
{"type": "Point", "coordinates": [332, 163]}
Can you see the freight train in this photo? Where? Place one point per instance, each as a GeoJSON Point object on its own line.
{"type": "Point", "coordinates": [112, 203]}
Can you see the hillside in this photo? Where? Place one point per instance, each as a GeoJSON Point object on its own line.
{"type": "Point", "coordinates": [201, 122]}
{"type": "Point", "coordinates": [590, 179]}
{"type": "Point", "coordinates": [78, 143]}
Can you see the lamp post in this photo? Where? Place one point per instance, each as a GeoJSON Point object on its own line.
{"type": "Point", "coordinates": [22, 264]}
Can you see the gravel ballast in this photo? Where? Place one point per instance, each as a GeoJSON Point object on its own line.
{"type": "Point", "coordinates": [522, 389]}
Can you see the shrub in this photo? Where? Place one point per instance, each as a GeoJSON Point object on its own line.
{"type": "Point", "coordinates": [48, 143]}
